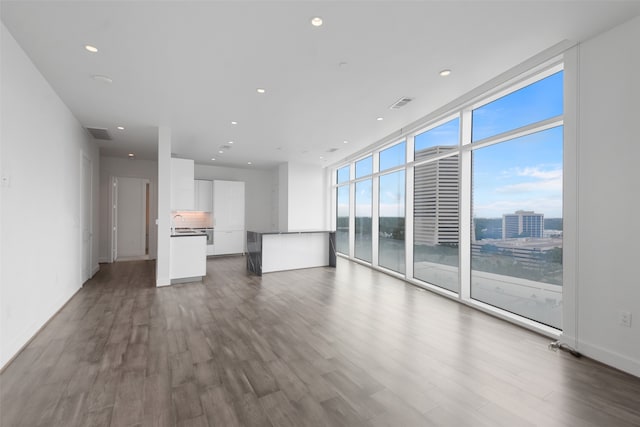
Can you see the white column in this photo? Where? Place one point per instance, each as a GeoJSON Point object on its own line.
{"type": "Point", "coordinates": [570, 200]}
{"type": "Point", "coordinates": [163, 258]}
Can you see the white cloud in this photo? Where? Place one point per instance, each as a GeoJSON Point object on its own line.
{"type": "Point", "coordinates": [391, 210]}
{"type": "Point", "coordinates": [537, 172]}
{"type": "Point", "coordinates": [550, 185]}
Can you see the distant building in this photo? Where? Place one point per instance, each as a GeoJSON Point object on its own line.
{"type": "Point", "coordinates": [522, 224]}
{"type": "Point", "coordinates": [436, 194]}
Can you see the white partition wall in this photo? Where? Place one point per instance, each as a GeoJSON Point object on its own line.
{"type": "Point", "coordinates": [163, 259]}
{"type": "Point", "coordinates": [41, 205]}
{"type": "Point", "coordinates": [608, 198]}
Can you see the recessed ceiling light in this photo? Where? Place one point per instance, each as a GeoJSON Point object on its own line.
{"type": "Point", "coordinates": [234, 123]}
{"type": "Point", "coordinates": [316, 21]}
{"type": "Point", "coordinates": [90, 48]}
{"type": "Point", "coordinates": [120, 127]}
{"type": "Point", "coordinates": [220, 152]}
{"type": "Point", "coordinates": [131, 155]}
{"type": "Point", "coordinates": [321, 157]}
{"type": "Point", "coordinates": [230, 142]}
{"type": "Point", "coordinates": [102, 79]}
{"type": "Point", "coordinates": [445, 73]}
{"type": "Point", "coordinates": [249, 163]}
{"type": "Point", "coordinates": [213, 159]}
{"type": "Point", "coordinates": [260, 90]}
{"type": "Point", "coordinates": [345, 142]}
{"type": "Point", "coordinates": [380, 119]}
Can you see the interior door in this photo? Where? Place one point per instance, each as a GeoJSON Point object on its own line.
{"type": "Point", "coordinates": [131, 217]}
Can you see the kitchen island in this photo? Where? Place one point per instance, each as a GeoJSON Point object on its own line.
{"type": "Point", "coordinates": [289, 250]}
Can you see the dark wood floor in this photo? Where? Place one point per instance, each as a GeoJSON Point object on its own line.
{"type": "Point", "coordinates": [317, 347]}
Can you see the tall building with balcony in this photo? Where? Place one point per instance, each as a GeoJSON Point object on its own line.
{"type": "Point", "coordinates": [436, 194]}
{"type": "Point", "coordinates": [522, 224]}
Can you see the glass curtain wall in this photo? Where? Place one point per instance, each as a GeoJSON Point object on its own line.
{"type": "Point", "coordinates": [391, 249]}
{"type": "Point", "coordinates": [436, 192]}
{"type": "Point", "coordinates": [364, 210]}
{"type": "Point", "coordinates": [342, 220]}
{"type": "Point", "coordinates": [342, 210]}
{"type": "Point", "coordinates": [516, 241]}
{"type": "Point", "coordinates": [391, 207]}
{"type": "Point", "coordinates": [500, 161]}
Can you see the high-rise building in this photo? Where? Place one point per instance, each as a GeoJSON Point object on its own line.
{"type": "Point", "coordinates": [522, 224]}
{"type": "Point", "coordinates": [436, 194]}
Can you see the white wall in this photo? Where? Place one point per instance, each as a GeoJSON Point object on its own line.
{"type": "Point", "coordinates": [126, 168]}
{"type": "Point", "coordinates": [42, 146]}
{"type": "Point", "coordinates": [609, 197]}
{"type": "Point", "coordinates": [260, 193]}
{"type": "Point", "coordinates": [306, 197]}
{"type": "Point", "coordinates": [283, 197]}
{"type": "Point", "coordinates": [163, 259]}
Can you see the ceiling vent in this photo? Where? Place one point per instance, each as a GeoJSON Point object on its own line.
{"type": "Point", "coordinates": [98, 133]}
{"type": "Point", "coordinates": [400, 103]}
{"type": "Point", "coordinates": [225, 147]}
{"type": "Point", "coordinates": [332, 150]}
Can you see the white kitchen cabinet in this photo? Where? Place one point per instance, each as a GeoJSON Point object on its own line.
{"type": "Point", "coordinates": [203, 190]}
{"type": "Point", "coordinates": [228, 217]}
{"type": "Point", "coordinates": [182, 196]}
{"type": "Point", "coordinates": [228, 242]}
{"type": "Point", "coordinates": [188, 257]}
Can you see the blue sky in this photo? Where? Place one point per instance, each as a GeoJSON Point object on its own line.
{"type": "Point", "coordinates": [519, 174]}
{"type": "Point", "coordinates": [523, 173]}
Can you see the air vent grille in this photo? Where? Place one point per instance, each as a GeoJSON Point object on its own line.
{"type": "Point", "coordinates": [99, 133]}
{"type": "Point", "coordinates": [400, 103]}
{"type": "Point", "coordinates": [332, 150]}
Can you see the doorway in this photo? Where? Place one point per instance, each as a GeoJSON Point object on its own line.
{"type": "Point", "coordinates": [130, 219]}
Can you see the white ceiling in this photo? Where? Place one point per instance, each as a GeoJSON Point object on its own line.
{"type": "Point", "coordinates": [195, 66]}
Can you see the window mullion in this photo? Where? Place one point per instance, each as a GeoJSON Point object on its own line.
{"type": "Point", "coordinates": [465, 207]}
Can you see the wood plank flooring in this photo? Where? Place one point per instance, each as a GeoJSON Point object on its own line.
{"type": "Point", "coordinates": [317, 347]}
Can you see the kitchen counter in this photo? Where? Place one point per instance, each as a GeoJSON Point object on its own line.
{"type": "Point", "coordinates": [186, 232]}
{"type": "Point", "coordinates": [289, 250]}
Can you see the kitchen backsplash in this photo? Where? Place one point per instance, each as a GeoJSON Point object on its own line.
{"type": "Point", "coordinates": [191, 219]}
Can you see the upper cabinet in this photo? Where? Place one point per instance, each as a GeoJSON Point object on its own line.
{"type": "Point", "coordinates": [228, 205]}
{"type": "Point", "coordinates": [203, 195]}
{"type": "Point", "coordinates": [228, 217]}
{"type": "Point", "coordinates": [182, 191]}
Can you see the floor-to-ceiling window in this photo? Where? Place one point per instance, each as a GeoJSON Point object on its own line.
{"type": "Point", "coordinates": [342, 210]}
{"type": "Point", "coordinates": [516, 240]}
{"type": "Point", "coordinates": [483, 188]}
{"type": "Point", "coordinates": [391, 209]}
{"type": "Point", "coordinates": [364, 209]}
{"type": "Point", "coordinates": [436, 213]}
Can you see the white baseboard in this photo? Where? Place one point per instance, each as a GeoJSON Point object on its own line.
{"type": "Point", "coordinates": [104, 260]}
{"type": "Point", "coordinates": [611, 358]}
{"type": "Point", "coordinates": [163, 282]}
{"type": "Point", "coordinates": [570, 340]}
